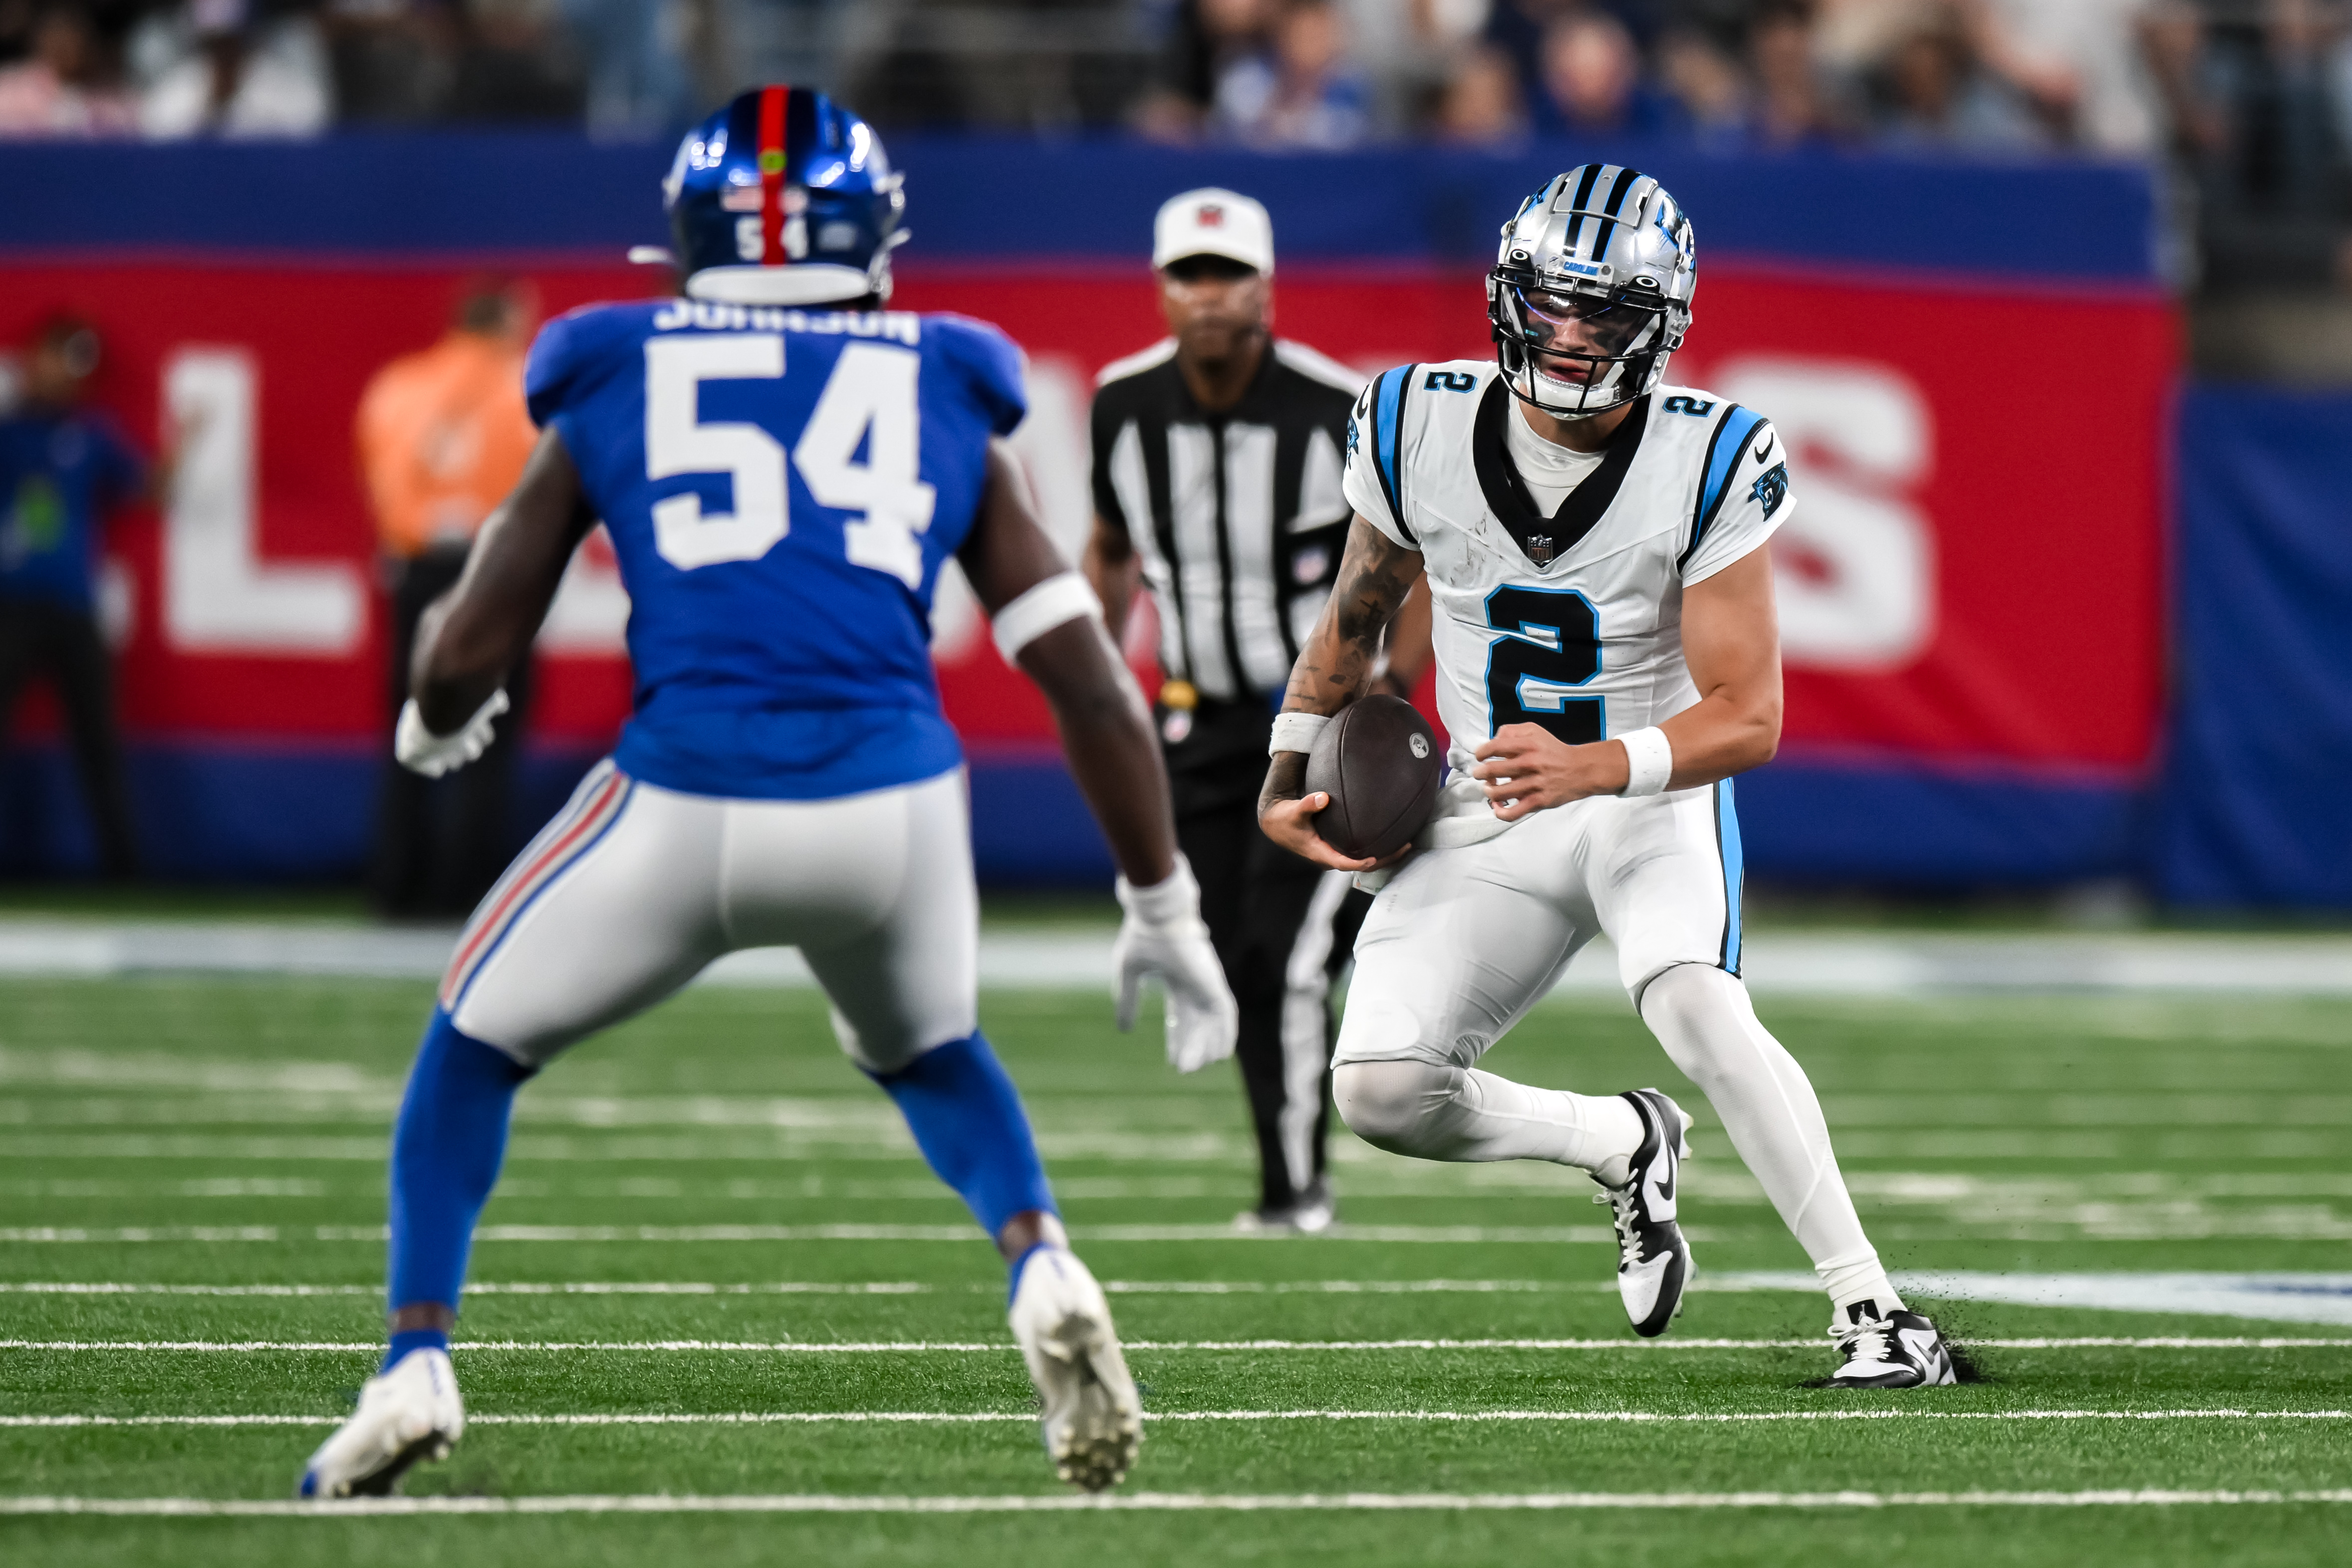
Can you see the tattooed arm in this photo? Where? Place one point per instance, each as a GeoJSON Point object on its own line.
{"type": "Point", "coordinates": [1335, 668]}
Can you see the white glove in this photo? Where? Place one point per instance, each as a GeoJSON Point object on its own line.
{"type": "Point", "coordinates": [421, 751]}
{"type": "Point", "coordinates": [1163, 934]}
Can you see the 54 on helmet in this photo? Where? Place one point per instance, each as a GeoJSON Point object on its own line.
{"type": "Point", "coordinates": [1591, 290]}
{"type": "Point", "coordinates": [784, 197]}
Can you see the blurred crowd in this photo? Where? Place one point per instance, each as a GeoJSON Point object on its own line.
{"type": "Point", "coordinates": [2125, 76]}
{"type": "Point", "coordinates": [2249, 100]}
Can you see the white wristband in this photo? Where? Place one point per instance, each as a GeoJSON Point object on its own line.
{"type": "Point", "coordinates": [1295, 731]}
{"type": "Point", "coordinates": [1175, 897]}
{"type": "Point", "coordinates": [1058, 600]}
{"type": "Point", "coordinates": [1649, 760]}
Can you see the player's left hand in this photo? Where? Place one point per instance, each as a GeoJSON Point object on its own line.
{"type": "Point", "coordinates": [420, 750]}
{"type": "Point", "coordinates": [1526, 768]}
{"type": "Point", "coordinates": [1163, 934]}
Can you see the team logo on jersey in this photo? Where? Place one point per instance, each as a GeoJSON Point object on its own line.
{"type": "Point", "coordinates": [1352, 435]}
{"type": "Point", "coordinates": [1772, 487]}
{"type": "Point", "coordinates": [1418, 744]}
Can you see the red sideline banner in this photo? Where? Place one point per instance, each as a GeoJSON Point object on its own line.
{"type": "Point", "coordinates": [1973, 574]}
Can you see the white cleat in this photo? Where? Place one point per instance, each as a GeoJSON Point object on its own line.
{"type": "Point", "coordinates": [1093, 1421]}
{"type": "Point", "coordinates": [409, 1411]}
{"type": "Point", "coordinates": [1653, 1261]}
{"type": "Point", "coordinates": [1900, 1350]}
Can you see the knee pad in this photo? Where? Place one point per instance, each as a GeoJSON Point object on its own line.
{"type": "Point", "coordinates": [1391, 1105]}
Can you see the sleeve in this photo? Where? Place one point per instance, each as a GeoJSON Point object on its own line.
{"type": "Point", "coordinates": [1102, 434]}
{"type": "Point", "coordinates": [992, 369]}
{"type": "Point", "coordinates": [1373, 477]}
{"type": "Point", "coordinates": [553, 366]}
{"type": "Point", "coordinates": [1743, 495]}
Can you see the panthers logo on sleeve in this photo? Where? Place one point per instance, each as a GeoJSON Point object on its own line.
{"type": "Point", "coordinates": [1772, 487]}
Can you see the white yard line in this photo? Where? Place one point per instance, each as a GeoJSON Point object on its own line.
{"type": "Point", "coordinates": [1147, 1502]}
{"type": "Point", "coordinates": [926, 1347]}
{"type": "Point", "coordinates": [584, 1235]}
{"type": "Point", "coordinates": [1029, 1418]}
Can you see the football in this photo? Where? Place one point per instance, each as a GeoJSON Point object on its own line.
{"type": "Point", "coordinates": [1380, 763]}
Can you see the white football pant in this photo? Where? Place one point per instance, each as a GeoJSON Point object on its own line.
{"type": "Point", "coordinates": [1463, 941]}
{"type": "Point", "coordinates": [632, 889]}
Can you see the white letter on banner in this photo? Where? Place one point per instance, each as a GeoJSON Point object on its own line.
{"type": "Point", "coordinates": [1854, 570]}
{"type": "Point", "coordinates": [219, 595]}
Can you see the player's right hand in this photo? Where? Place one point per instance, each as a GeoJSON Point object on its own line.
{"type": "Point", "coordinates": [1291, 824]}
{"type": "Point", "coordinates": [420, 750]}
{"type": "Point", "coordinates": [1163, 934]}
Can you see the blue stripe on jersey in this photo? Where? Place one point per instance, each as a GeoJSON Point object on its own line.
{"type": "Point", "coordinates": [1735, 872]}
{"type": "Point", "coordinates": [1722, 458]}
{"type": "Point", "coordinates": [1388, 437]}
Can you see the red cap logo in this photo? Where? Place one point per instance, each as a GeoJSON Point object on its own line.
{"type": "Point", "coordinates": [1210, 215]}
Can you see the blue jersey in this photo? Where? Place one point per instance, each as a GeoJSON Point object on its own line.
{"type": "Point", "coordinates": [59, 473]}
{"type": "Point", "coordinates": [781, 487]}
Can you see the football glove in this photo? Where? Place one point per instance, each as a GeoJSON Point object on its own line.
{"type": "Point", "coordinates": [1163, 934]}
{"type": "Point", "coordinates": [421, 751]}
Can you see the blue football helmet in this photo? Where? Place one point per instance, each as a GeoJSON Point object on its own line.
{"type": "Point", "coordinates": [784, 197]}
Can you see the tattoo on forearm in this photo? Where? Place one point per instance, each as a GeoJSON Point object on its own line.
{"type": "Point", "coordinates": [1285, 779]}
{"type": "Point", "coordinates": [1337, 664]}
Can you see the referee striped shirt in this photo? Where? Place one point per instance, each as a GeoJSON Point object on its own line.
{"type": "Point", "coordinates": [1237, 516]}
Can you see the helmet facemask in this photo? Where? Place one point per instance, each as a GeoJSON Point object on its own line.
{"type": "Point", "coordinates": [1578, 352]}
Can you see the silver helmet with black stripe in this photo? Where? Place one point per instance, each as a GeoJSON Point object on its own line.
{"type": "Point", "coordinates": [1591, 290]}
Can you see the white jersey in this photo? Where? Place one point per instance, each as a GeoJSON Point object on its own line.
{"type": "Point", "coordinates": [1588, 643]}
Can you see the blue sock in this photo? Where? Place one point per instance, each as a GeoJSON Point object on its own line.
{"type": "Point", "coordinates": [967, 1119]}
{"type": "Point", "coordinates": [445, 1152]}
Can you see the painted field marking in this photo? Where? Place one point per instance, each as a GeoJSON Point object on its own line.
{"type": "Point", "coordinates": [1029, 1418]}
{"type": "Point", "coordinates": [563, 1288]}
{"type": "Point", "coordinates": [922, 1347]}
{"type": "Point", "coordinates": [578, 1234]}
{"type": "Point", "coordinates": [1145, 1502]}
{"type": "Point", "coordinates": [864, 1287]}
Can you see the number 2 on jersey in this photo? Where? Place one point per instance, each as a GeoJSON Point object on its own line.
{"type": "Point", "coordinates": [868, 401]}
{"type": "Point", "coordinates": [1550, 646]}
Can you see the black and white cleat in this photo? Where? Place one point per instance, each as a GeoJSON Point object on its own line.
{"type": "Point", "coordinates": [1896, 1350]}
{"type": "Point", "coordinates": [1653, 1261]}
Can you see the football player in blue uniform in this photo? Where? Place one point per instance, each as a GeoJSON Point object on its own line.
{"type": "Point", "coordinates": [784, 467]}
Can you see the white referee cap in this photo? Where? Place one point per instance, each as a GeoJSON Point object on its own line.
{"type": "Point", "coordinates": [1214, 222]}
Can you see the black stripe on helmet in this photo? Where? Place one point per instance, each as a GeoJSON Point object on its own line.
{"type": "Point", "coordinates": [1592, 173]}
{"type": "Point", "coordinates": [1626, 180]}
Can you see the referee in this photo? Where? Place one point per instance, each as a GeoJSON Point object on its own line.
{"type": "Point", "coordinates": [1216, 483]}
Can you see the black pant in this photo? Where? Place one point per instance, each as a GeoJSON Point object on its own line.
{"type": "Point", "coordinates": [37, 636]}
{"type": "Point", "coordinates": [440, 843]}
{"type": "Point", "coordinates": [1284, 929]}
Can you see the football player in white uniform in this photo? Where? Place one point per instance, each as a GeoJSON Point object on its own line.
{"type": "Point", "coordinates": [1608, 658]}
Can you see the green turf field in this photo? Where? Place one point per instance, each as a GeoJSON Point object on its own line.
{"type": "Point", "coordinates": [226, 1137]}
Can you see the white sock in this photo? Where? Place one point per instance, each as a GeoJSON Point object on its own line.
{"type": "Point", "coordinates": [1858, 1278]}
{"type": "Point", "coordinates": [1437, 1112]}
{"type": "Point", "coordinates": [1704, 1018]}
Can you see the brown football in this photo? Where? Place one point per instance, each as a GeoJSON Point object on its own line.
{"type": "Point", "coordinates": [1380, 763]}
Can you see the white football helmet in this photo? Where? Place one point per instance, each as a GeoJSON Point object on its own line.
{"type": "Point", "coordinates": [1591, 290]}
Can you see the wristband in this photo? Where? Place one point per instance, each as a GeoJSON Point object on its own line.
{"type": "Point", "coordinates": [1176, 897]}
{"type": "Point", "coordinates": [1063, 597]}
{"type": "Point", "coordinates": [1295, 731]}
{"type": "Point", "coordinates": [1649, 762]}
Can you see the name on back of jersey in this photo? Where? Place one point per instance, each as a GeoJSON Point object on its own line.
{"type": "Point", "coordinates": [711, 315]}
